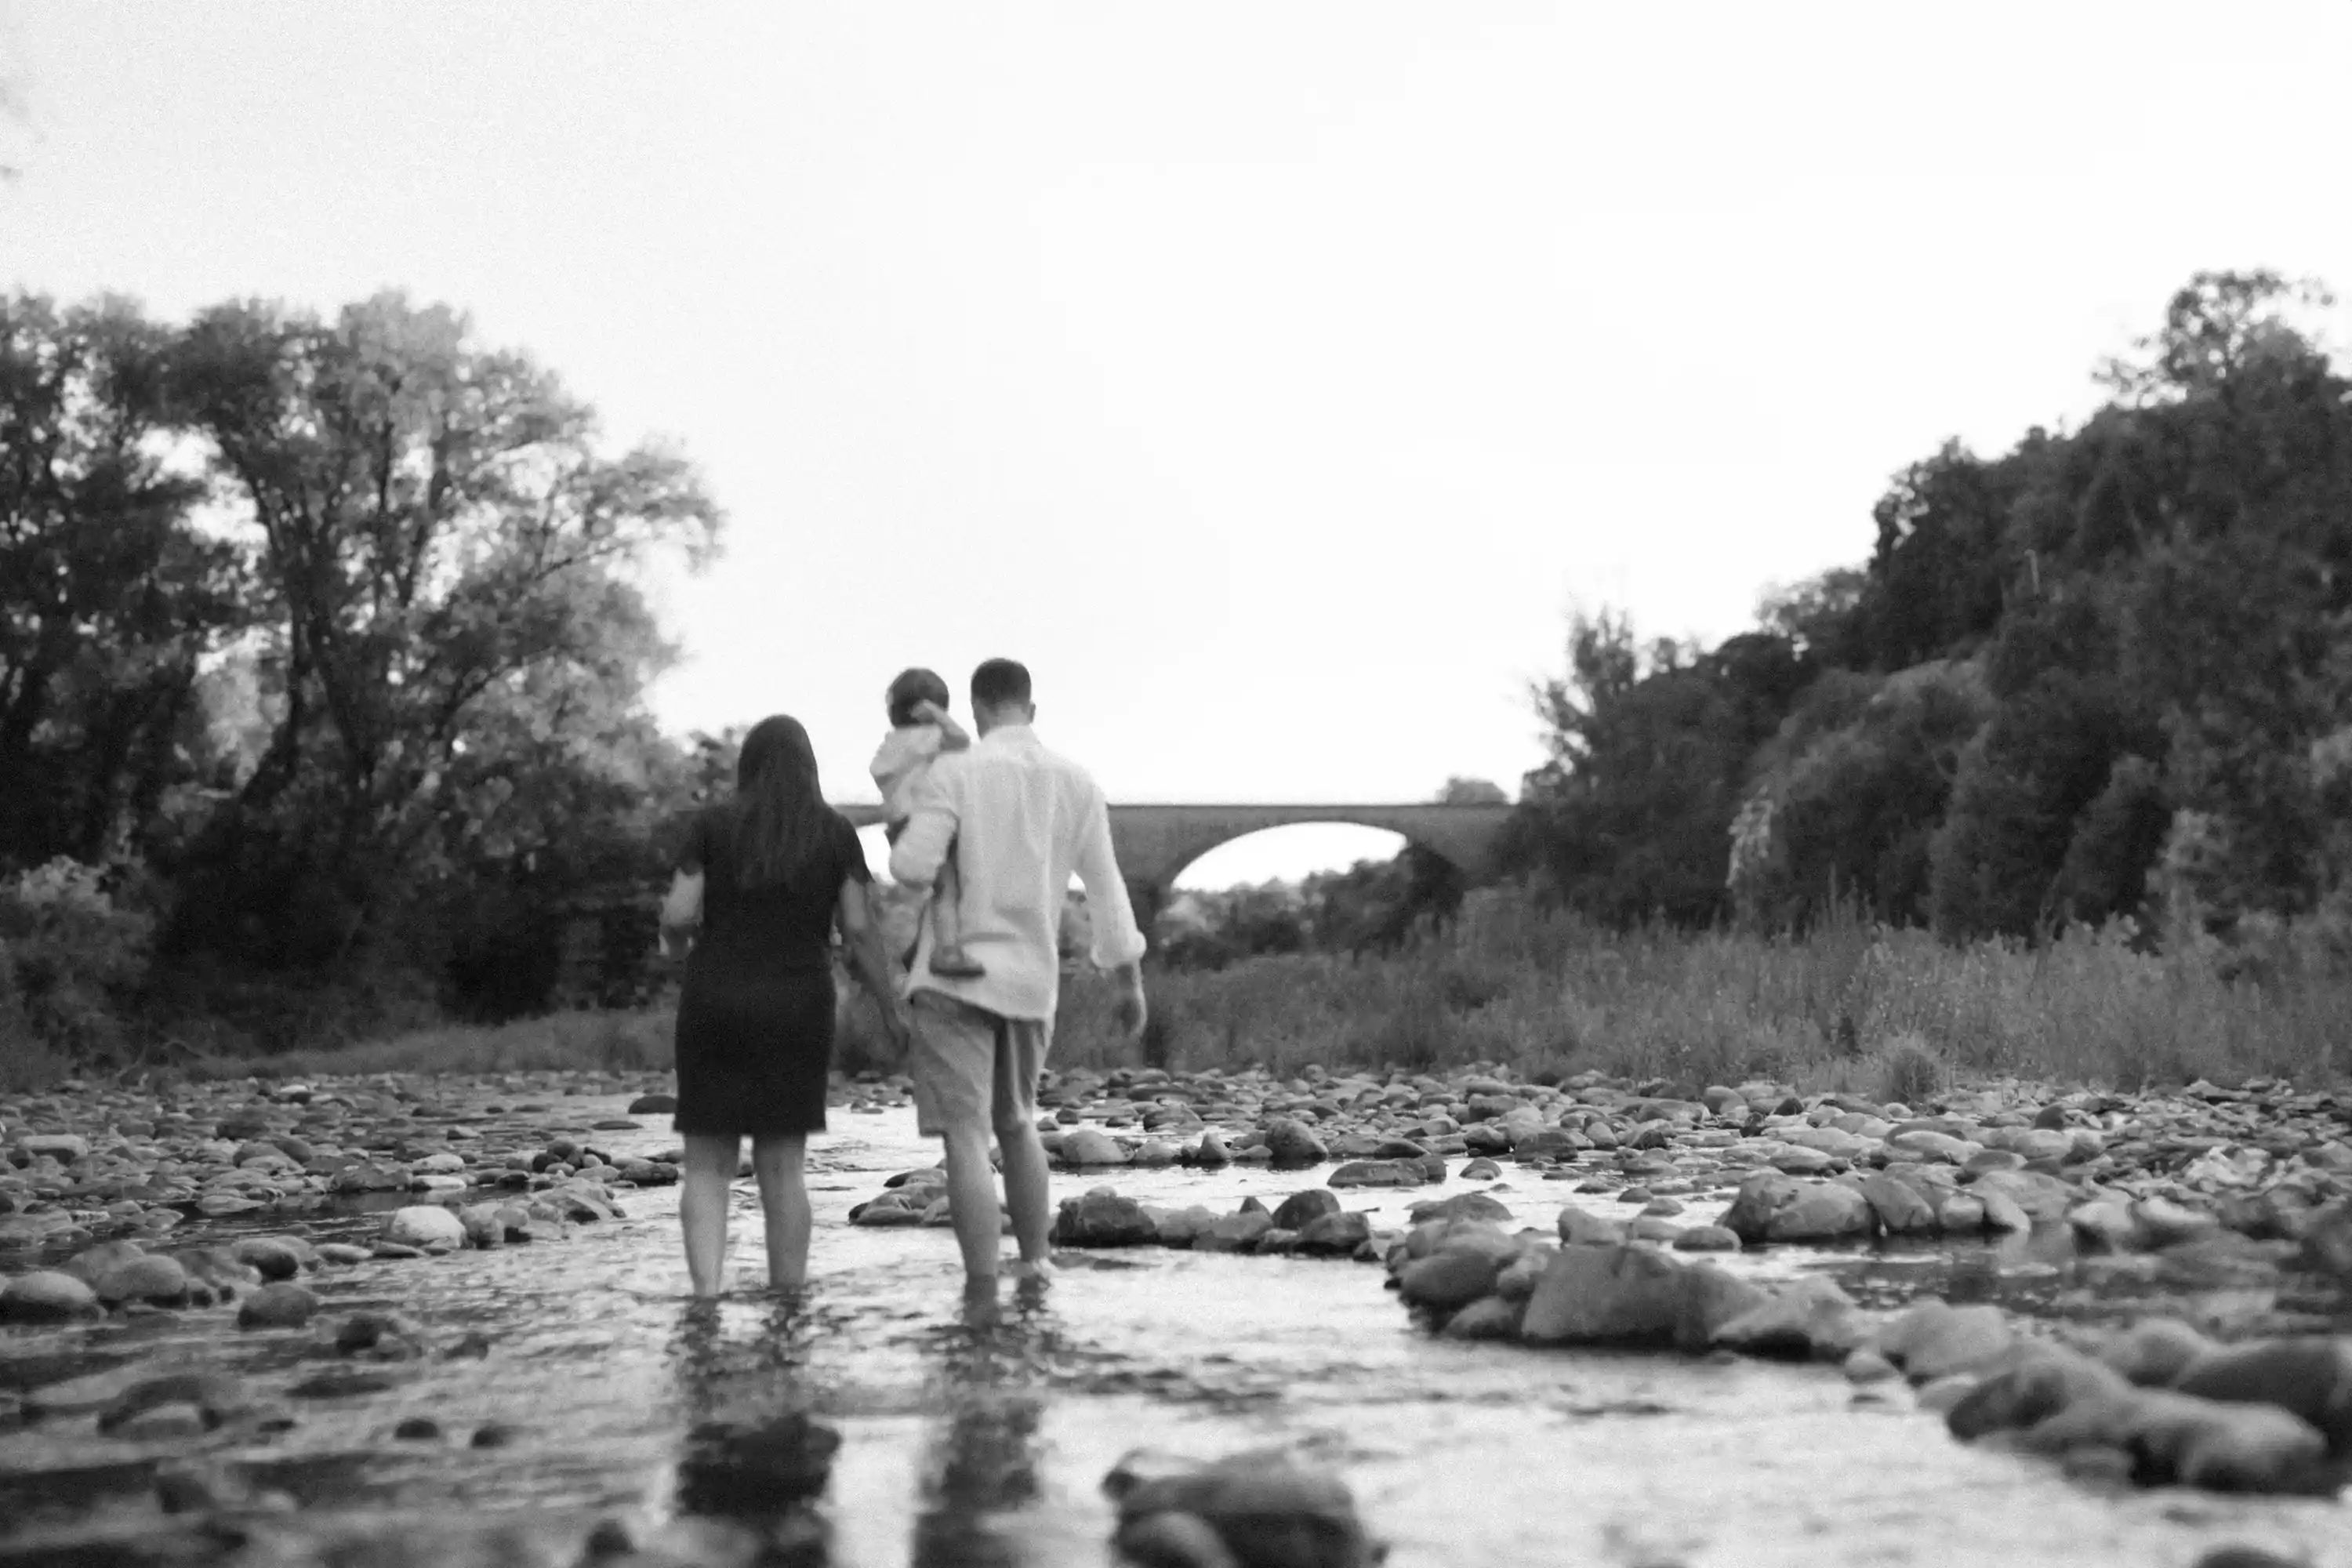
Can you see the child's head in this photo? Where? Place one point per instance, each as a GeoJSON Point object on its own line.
{"type": "Point", "coordinates": [912, 690]}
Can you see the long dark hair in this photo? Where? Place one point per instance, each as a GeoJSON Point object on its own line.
{"type": "Point", "coordinates": [779, 813]}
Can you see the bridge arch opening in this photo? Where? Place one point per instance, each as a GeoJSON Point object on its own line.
{"type": "Point", "coordinates": [1290, 853]}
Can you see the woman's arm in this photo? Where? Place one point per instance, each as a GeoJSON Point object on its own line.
{"type": "Point", "coordinates": [862, 933]}
{"type": "Point", "coordinates": [681, 913]}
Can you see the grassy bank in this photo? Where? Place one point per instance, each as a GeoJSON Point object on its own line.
{"type": "Point", "coordinates": [1891, 1013]}
{"type": "Point", "coordinates": [603, 1041]}
{"type": "Point", "coordinates": [1849, 1006]}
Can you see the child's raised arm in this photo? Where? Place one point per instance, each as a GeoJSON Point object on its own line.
{"type": "Point", "coordinates": [952, 737]}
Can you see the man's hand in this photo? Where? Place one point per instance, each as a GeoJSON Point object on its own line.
{"type": "Point", "coordinates": [1130, 1009]}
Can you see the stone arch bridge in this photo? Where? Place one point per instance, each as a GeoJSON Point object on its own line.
{"type": "Point", "coordinates": [1155, 843]}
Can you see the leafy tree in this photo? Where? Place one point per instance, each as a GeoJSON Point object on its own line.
{"type": "Point", "coordinates": [1851, 793]}
{"type": "Point", "coordinates": [110, 599]}
{"type": "Point", "coordinates": [443, 555]}
{"type": "Point", "coordinates": [1934, 581]}
{"type": "Point", "coordinates": [1459, 791]}
{"type": "Point", "coordinates": [1630, 820]}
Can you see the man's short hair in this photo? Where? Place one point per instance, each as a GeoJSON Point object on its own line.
{"type": "Point", "coordinates": [997, 682]}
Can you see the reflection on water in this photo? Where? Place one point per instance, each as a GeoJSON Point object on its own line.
{"type": "Point", "coordinates": [981, 1456]}
{"type": "Point", "coordinates": [753, 1455]}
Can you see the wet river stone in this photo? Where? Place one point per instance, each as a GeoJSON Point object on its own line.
{"type": "Point", "coordinates": [1085, 1146]}
{"type": "Point", "coordinates": [423, 1226]}
{"type": "Point", "coordinates": [1102, 1218]}
{"type": "Point", "coordinates": [1773, 1207]}
{"type": "Point", "coordinates": [279, 1306]}
{"type": "Point", "coordinates": [47, 1296]}
{"type": "Point", "coordinates": [1248, 1510]}
{"type": "Point", "coordinates": [157, 1281]}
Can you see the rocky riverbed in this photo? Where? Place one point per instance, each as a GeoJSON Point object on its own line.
{"type": "Point", "coordinates": [252, 1322]}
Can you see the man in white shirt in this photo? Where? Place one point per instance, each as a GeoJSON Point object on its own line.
{"type": "Point", "coordinates": [1021, 819]}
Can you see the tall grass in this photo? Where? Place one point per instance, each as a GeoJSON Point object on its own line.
{"type": "Point", "coordinates": [1895, 1014]}
{"type": "Point", "coordinates": [1850, 1004]}
{"type": "Point", "coordinates": [615, 1042]}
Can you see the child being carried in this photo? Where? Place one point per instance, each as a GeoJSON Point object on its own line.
{"type": "Point", "coordinates": [919, 731]}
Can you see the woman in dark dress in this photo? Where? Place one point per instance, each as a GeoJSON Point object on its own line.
{"type": "Point", "coordinates": [765, 877]}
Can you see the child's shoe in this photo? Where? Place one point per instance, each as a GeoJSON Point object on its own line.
{"type": "Point", "coordinates": [954, 964]}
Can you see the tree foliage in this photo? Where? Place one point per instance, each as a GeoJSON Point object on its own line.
{"type": "Point", "coordinates": [333, 621]}
{"type": "Point", "coordinates": [2104, 665]}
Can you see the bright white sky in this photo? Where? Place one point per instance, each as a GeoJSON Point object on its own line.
{"type": "Point", "coordinates": [1270, 377]}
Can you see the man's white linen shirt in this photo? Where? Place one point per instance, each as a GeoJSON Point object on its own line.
{"type": "Point", "coordinates": [1021, 819]}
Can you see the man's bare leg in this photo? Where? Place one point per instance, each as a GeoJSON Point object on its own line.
{"type": "Point", "coordinates": [972, 1203]}
{"type": "Point", "coordinates": [1026, 1192]}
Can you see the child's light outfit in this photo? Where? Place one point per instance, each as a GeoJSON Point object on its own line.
{"type": "Point", "coordinates": [900, 767]}
{"type": "Point", "coordinates": [905, 755]}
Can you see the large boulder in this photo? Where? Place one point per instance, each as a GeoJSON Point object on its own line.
{"type": "Point", "coordinates": [1810, 1317]}
{"type": "Point", "coordinates": [423, 1226]}
{"type": "Point", "coordinates": [91, 1262]}
{"type": "Point", "coordinates": [1770, 1206]}
{"type": "Point", "coordinates": [1581, 1227]}
{"type": "Point", "coordinates": [1234, 1232]}
{"type": "Point", "coordinates": [1102, 1218]}
{"type": "Point", "coordinates": [155, 1281]}
{"type": "Point", "coordinates": [65, 1148]}
{"type": "Point", "coordinates": [1487, 1317]}
{"type": "Point", "coordinates": [1179, 1228]}
{"type": "Point", "coordinates": [1334, 1235]}
{"type": "Point", "coordinates": [1248, 1510]}
{"type": "Point", "coordinates": [2155, 1351]}
{"type": "Point", "coordinates": [1085, 1146]}
{"type": "Point", "coordinates": [276, 1306]}
{"type": "Point", "coordinates": [1291, 1142]}
{"type": "Point", "coordinates": [1295, 1211]}
{"type": "Point", "coordinates": [2039, 1381]}
{"type": "Point", "coordinates": [2308, 1375]}
{"type": "Point", "coordinates": [1933, 1339]}
{"type": "Point", "coordinates": [1461, 1205]}
{"type": "Point", "coordinates": [1626, 1296]}
{"type": "Point", "coordinates": [1447, 1282]}
{"type": "Point", "coordinates": [275, 1257]}
{"type": "Point", "coordinates": [2041, 1197]}
{"type": "Point", "coordinates": [1902, 1209]}
{"type": "Point", "coordinates": [1478, 1235]}
{"type": "Point", "coordinates": [1380, 1173]}
{"type": "Point", "coordinates": [2169, 1437]}
{"type": "Point", "coordinates": [47, 1296]}
{"type": "Point", "coordinates": [2055, 1401]}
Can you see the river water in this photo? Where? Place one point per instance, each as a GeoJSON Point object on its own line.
{"type": "Point", "coordinates": [917, 1441]}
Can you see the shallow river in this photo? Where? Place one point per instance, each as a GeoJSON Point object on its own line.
{"type": "Point", "coordinates": [919, 1442]}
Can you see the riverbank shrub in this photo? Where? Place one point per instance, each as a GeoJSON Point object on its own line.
{"type": "Point", "coordinates": [73, 955]}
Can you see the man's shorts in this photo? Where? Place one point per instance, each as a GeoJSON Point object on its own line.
{"type": "Point", "coordinates": [973, 1067]}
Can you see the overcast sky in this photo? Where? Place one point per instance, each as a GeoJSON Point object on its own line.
{"type": "Point", "coordinates": [1271, 377]}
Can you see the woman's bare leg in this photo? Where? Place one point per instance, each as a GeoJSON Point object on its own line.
{"type": "Point", "coordinates": [709, 1171]}
{"type": "Point", "coordinates": [784, 1199]}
